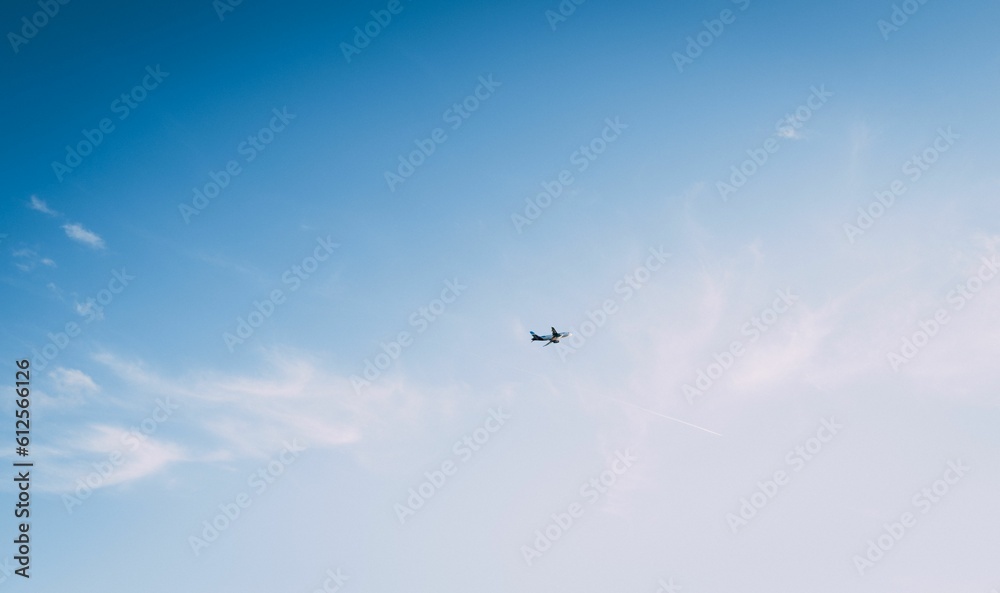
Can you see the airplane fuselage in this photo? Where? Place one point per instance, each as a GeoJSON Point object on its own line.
{"type": "Point", "coordinates": [552, 338]}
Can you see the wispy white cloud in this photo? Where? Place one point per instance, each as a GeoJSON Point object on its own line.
{"type": "Point", "coordinates": [89, 309]}
{"type": "Point", "coordinates": [39, 204]}
{"type": "Point", "coordinates": [73, 381]}
{"type": "Point", "coordinates": [251, 415]}
{"type": "Point", "coordinates": [789, 133]}
{"type": "Point", "coordinates": [124, 459]}
{"type": "Point", "coordinates": [28, 259]}
{"type": "Point", "coordinates": [77, 232]}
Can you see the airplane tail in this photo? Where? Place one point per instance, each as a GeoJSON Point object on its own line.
{"type": "Point", "coordinates": [534, 336]}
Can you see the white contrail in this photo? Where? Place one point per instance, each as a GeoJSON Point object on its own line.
{"type": "Point", "coordinates": [664, 416]}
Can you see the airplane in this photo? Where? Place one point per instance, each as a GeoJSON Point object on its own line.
{"type": "Point", "coordinates": [552, 339]}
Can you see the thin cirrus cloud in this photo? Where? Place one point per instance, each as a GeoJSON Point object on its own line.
{"type": "Point", "coordinates": [252, 416]}
{"type": "Point", "coordinates": [78, 233]}
{"type": "Point", "coordinates": [39, 204]}
{"type": "Point", "coordinates": [74, 460]}
{"type": "Point", "coordinates": [73, 380]}
{"type": "Point", "coordinates": [28, 259]}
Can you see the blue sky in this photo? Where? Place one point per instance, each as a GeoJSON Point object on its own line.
{"type": "Point", "coordinates": [776, 302]}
